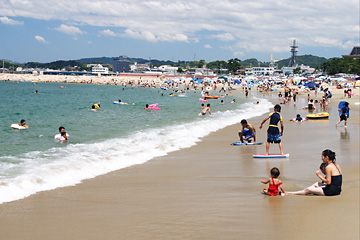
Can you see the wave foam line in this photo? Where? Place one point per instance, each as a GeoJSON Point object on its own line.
{"type": "Point", "coordinates": [36, 171]}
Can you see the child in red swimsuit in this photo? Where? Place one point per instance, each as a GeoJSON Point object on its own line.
{"type": "Point", "coordinates": [274, 183]}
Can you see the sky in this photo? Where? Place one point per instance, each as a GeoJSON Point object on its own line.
{"type": "Point", "coordinates": [50, 30]}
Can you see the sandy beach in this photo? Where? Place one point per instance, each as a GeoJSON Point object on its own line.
{"type": "Point", "coordinates": [209, 191]}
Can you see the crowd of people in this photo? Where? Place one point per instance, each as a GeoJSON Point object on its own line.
{"type": "Point", "coordinates": [330, 172]}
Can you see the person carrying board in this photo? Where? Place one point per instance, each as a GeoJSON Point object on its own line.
{"type": "Point", "coordinates": [344, 113]}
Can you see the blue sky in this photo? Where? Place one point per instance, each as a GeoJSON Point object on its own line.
{"type": "Point", "coordinates": [49, 30]}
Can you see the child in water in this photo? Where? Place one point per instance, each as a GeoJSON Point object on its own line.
{"type": "Point", "coordinates": [63, 136]}
{"type": "Point", "coordinates": [344, 114]}
{"type": "Point", "coordinates": [207, 109]}
{"type": "Point", "coordinates": [298, 118]}
{"type": "Point", "coordinates": [274, 183]}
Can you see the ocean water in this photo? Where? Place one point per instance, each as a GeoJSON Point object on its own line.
{"type": "Point", "coordinates": [114, 137]}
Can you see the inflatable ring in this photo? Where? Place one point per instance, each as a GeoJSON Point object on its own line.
{"type": "Point", "coordinates": [208, 88]}
{"type": "Point", "coordinates": [17, 126]}
{"type": "Point", "coordinates": [322, 115]}
{"type": "Point", "coordinates": [97, 106]}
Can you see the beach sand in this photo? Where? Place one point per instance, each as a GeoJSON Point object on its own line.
{"type": "Point", "coordinates": [209, 191]}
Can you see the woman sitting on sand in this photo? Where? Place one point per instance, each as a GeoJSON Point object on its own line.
{"type": "Point", "coordinates": [332, 179]}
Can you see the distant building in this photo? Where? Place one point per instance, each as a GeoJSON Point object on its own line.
{"type": "Point", "coordinates": [168, 69]}
{"type": "Point", "coordinates": [355, 53]}
{"type": "Point", "coordinates": [304, 69]}
{"type": "Point", "coordinates": [99, 69]}
{"type": "Point", "coordinates": [201, 71]}
{"type": "Point", "coordinates": [260, 71]}
{"type": "Point", "coordinates": [139, 68]}
{"type": "Point", "coordinates": [121, 64]}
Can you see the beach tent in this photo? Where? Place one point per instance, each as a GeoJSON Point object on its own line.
{"type": "Point", "coordinates": [311, 85]}
{"type": "Point", "coordinates": [198, 80]}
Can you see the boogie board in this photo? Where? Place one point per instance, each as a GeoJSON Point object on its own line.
{"type": "Point", "coordinates": [341, 105]}
{"type": "Point", "coordinates": [271, 155]}
{"type": "Point", "coordinates": [244, 143]}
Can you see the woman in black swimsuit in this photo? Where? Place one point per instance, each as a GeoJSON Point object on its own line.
{"type": "Point", "coordinates": [332, 179]}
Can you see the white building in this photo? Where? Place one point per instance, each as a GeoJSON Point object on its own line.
{"type": "Point", "coordinates": [167, 69]}
{"type": "Point", "coordinates": [136, 67]}
{"type": "Point", "coordinates": [304, 69]}
{"type": "Point", "coordinates": [99, 69]}
{"type": "Point", "coordinates": [260, 71]}
{"type": "Point", "coordinates": [201, 71]}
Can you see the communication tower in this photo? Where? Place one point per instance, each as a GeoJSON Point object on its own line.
{"type": "Point", "coordinates": [293, 51]}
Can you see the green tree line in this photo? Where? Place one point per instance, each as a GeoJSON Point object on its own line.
{"type": "Point", "coordinates": [331, 66]}
{"type": "Point", "coordinates": [341, 65]}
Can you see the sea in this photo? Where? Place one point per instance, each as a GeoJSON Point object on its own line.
{"type": "Point", "coordinates": [114, 137]}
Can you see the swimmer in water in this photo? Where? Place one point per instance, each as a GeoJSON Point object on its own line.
{"type": "Point", "coordinates": [298, 118]}
{"type": "Point", "coordinates": [23, 123]}
{"type": "Point", "coordinates": [207, 109]}
{"type": "Point", "coordinates": [122, 103]}
{"type": "Point", "coordinates": [233, 101]}
{"type": "Point", "coordinates": [93, 108]}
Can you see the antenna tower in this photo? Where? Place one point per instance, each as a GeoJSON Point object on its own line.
{"type": "Point", "coordinates": [293, 51]}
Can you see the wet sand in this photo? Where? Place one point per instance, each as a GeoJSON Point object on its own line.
{"type": "Point", "coordinates": [209, 191]}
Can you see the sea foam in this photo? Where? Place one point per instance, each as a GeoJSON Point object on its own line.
{"type": "Point", "coordinates": [38, 171]}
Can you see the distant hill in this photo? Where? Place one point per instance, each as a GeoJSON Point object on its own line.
{"type": "Point", "coordinates": [307, 60]}
{"type": "Point", "coordinates": [110, 60]}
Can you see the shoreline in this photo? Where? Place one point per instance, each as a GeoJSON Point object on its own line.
{"type": "Point", "coordinates": [208, 191]}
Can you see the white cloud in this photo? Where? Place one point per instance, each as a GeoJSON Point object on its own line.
{"type": "Point", "coordinates": [146, 35]}
{"type": "Point", "coordinates": [224, 37]}
{"type": "Point", "coordinates": [152, 37]}
{"type": "Point", "coordinates": [108, 32]}
{"type": "Point", "coordinates": [264, 25]}
{"type": "Point", "coordinates": [8, 21]}
{"type": "Point", "coordinates": [40, 39]}
{"type": "Point", "coordinates": [207, 46]}
{"type": "Point", "coordinates": [71, 30]}
{"type": "Point", "coordinates": [238, 54]}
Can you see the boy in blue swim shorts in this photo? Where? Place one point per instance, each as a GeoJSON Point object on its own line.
{"type": "Point", "coordinates": [273, 133]}
{"type": "Point", "coordinates": [248, 132]}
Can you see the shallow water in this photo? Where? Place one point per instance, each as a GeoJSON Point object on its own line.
{"type": "Point", "coordinates": [114, 137]}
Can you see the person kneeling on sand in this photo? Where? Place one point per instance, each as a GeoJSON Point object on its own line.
{"type": "Point", "coordinates": [332, 179]}
{"type": "Point", "coordinates": [248, 132]}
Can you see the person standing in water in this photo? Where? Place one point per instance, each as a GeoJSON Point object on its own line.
{"type": "Point", "coordinates": [344, 114]}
